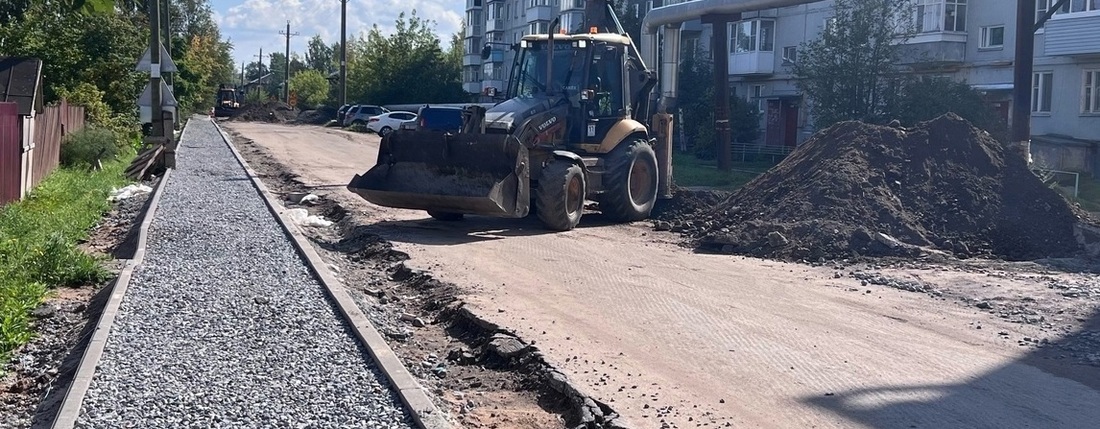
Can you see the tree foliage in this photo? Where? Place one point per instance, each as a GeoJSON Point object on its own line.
{"type": "Point", "coordinates": [921, 99]}
{"type": "Point", "coordinates": [407, 66]}
{"type": "Point", "coordinates": [311, 87]}
{"type": "Point", "coordinates": [98, 42]}
{"type": "Point", "coordinates": [848, 70]}
{"type": "Point", "coordinates": [320, 56]}
{"type": "Point", "coordinates": [696, 99]}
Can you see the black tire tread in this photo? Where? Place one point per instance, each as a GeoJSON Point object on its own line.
{"type": "Point", "coordinates": [615, 202]}
{"type": "Point", "coordinates": [550, 198]}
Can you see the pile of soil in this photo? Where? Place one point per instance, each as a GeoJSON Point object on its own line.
{"type": "Point", "coordinates": [269, 111]}
{"type": "Point", "coordinates": [856, 189]}
{"type": "Point", "coordinates": [316, 117]}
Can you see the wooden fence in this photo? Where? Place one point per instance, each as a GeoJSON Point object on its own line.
{"type": "Point", "coordinates": [11, 153]}
{"type": "Point", "coordinates": [50, 128]}
{"type": "Point", "coordinates": [26, 159]}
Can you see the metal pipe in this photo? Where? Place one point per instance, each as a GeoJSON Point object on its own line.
{"type": "Point", "coordinates": [670, 66]}
{"type": "Point", "coordinates": [720, 46]}
{"type": "Point", "coordinates": [687, 11]}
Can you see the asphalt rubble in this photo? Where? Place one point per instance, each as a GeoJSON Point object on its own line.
{"type": "Point", "coordinates": [860, 190]}
{"type": "Point", "coordinates": [268, 111]}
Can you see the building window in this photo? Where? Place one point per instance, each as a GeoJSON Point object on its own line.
{"type": "Point", "coordinates": [758, 96]}
{"type": "Point", "coordinates": [1083, 5]}
{"type": "Point", "coordinates": [790, 54]}
{"type": "Point", "coordinates": [537, 28]}
{"type": "Point", "coordinates": [993, 36]}
{"type": "Point", "coordinates": [939, 15]}
{"type": "Point", "coordinates": [752, 36]}
{"type": "Point", "coordinates": [1042, 84]}
{"type": "Point", "coordinates": [1091, 101]}
{"type": "Point", "coordinates": [829, 26]}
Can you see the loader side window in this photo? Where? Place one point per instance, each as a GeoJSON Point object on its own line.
{"type": "Point", "coordinates": [607, 81]}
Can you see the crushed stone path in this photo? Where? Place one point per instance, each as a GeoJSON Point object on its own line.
{"type": "Point", "coordinates": [223, 325]}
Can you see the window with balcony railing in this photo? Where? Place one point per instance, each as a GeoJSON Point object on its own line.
{"type": "Point", "coordinates": [939, 15]}
{"type": "Point", "coordinates": [757, 35]}
{"type": "Point", "coordinates": [537, 3]}
{"type": "Point", "coordinates": [572, 22]}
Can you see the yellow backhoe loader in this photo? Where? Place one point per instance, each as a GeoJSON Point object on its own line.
{"type": "Point", "coordinates": [576, 125]}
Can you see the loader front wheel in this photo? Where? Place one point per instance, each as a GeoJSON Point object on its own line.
{"type": "Point", "coordinates": [445, 216]}
{"type": "Point", "coordinates": [631, 182]}
{"type": "Point", "coordinates": [559, 198]}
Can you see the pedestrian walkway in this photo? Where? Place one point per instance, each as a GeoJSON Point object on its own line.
{"type": "Point", "coordinates": [223, 325]}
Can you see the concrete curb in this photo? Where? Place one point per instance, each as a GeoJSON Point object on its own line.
{"type": "Point", "coordinates": [414, 396]}
{"type": "Point", "coordinates": [69, 411]}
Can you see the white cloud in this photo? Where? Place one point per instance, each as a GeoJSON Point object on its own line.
{"type": "Point", "coordinates": [252, 24]}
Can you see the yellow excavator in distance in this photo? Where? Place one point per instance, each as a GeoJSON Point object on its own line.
{"type": "Point", "coordinates": [576, 126]}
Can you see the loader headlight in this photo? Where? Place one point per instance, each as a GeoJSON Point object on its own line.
{"type": "Point", "coordinates": [524, 44]}
{"type": "Point", "coordinates": [580, 44]}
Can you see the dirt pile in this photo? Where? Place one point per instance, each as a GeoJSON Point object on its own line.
{"type": "Point", "coordinates": [316, 117]}
{"type": "Point", "coordinates": [269, 111]}
{"type": "Point", "coordinates": [856, 189]}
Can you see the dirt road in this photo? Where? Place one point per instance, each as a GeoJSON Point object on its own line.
{"type": "Point", "coordinates": [670, 338]}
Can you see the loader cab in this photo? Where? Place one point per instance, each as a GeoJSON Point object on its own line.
{"type": "Point", "coordinates": [588, 75]}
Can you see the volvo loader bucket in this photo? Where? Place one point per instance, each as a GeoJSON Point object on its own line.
{"type": "Point", "coordinates": [484, 174]}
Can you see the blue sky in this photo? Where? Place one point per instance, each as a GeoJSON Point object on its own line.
{"type": "Point", "coordinates": [252, 24]}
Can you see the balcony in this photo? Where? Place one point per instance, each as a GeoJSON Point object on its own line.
{"type": "Point", "coordinates": [473, 4]}
{"type": "Point", "coordinates": [571, 5]}
{"type": "Point", "coordinates": [540, 13]}
{"type": "Point", "coordinates": [1073, 34]}
{"type": "Point", "coordinates": [934, 49]}
{"type": "Point", "coordinates": [471, 60]}
{"type": "Point", "coordinates": [473, 31]}
{"type": "Point", "coordinates": [494, 25]}
{"type": "Point", "coordinates": [472, 87]}
{"type": "Point", "coordinates": [752, 63]}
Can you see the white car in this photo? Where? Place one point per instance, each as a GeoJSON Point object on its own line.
{"type": "Point", "coordinates": [385, 123]}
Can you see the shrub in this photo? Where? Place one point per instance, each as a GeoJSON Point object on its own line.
{"type": "Point", "coordinates": [91, 98]}
{"type": "Point", "coordinates": [88, 147]}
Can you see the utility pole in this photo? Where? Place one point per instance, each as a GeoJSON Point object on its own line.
{"type": "Point", "coordinates": [343, 52]}
{"type": "Point", "coordinates": [286, 71]}
{"type": "Point", "coordinates": [1021, 76]}
{"type": "Point", "coordinates": [155, 107]}
{"type": "Point", "coordinates": [242, 73]}
{"type": "Point", "coordinates": [260, 58]}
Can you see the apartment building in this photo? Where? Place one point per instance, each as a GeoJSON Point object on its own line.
{"type": "Point", "coordinates": [968, 40]}
{"type": "Point", "coordinates": [501, 23]}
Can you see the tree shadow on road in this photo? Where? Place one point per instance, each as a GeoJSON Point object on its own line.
{"type": "Point", "coordinates": [472, 229]}
{"type": "Point", "coordinates": [1055, 386]}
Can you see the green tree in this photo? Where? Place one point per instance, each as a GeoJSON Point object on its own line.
{"type": "Point", "coordinates": [311, 87]}
{"type": "Point", "coordinates": [408, 66]}
{"type": "Point", "coordinates": [925, 98]}
{"type": "Point", "coordinates": [847, 71]}
{"type": "Point", "coordinates": [696, 100]}
{"type": "Point", "coordinates": [319, 56]}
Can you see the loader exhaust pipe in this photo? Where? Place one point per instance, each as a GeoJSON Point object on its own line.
{"type": "Point", "coordinates": [550, 56]}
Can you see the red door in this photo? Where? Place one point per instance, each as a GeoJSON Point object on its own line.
{"type": "Point", "coordinates": [11, 148]}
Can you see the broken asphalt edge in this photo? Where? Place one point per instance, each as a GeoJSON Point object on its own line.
{"type": "Point", "coordinates": [412, 394]}
{"type": "Point", "coordinates": [591, 413]}
{"type": "Point", "coordinates": [69, 411]}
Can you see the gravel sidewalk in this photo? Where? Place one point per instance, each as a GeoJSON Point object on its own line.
{"type": "Point", "coordinates": [224, 326]}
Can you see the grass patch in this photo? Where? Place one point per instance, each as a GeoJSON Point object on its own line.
{"type": "Point", "coordinates": [38, 243]}
{"type": "Point", "coordinates": [687, 170]}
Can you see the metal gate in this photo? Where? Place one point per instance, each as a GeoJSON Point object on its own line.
{"type": "Point", "coordinates": [11, 153]}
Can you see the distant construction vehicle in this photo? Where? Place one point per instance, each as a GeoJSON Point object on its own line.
{"type": "Point", "coordinates": [576, 126]}
{"type": "Point", "coordinates": [227, 101]}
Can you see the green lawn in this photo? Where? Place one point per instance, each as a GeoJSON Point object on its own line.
{"type": "Point", "coordinates": [687, 170]}
{"type": "Point", "coordinates": [1088, 195]}
{"type": "Point", "coordinates": [38, 244]}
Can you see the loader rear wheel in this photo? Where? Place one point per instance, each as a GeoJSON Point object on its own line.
{"type": "Point", "coordinates": [445, 216]}
{"type": "Point", "coordinates": [631, 182]}
{"type": "Point", "coordinates": [559, 199]}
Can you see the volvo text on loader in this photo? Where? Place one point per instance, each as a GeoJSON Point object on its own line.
{"type": "Point", "coordinates": [576, 126]}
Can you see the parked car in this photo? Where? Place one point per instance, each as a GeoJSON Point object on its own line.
{"type": "Point", "coordinates": [342, 112]}
{"type": "Point", "coordinates": [447, 119]}
{"type": "Point", "coordinates": [362, 112]}
{"type": "Point", "coordinates": [385, 123]}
